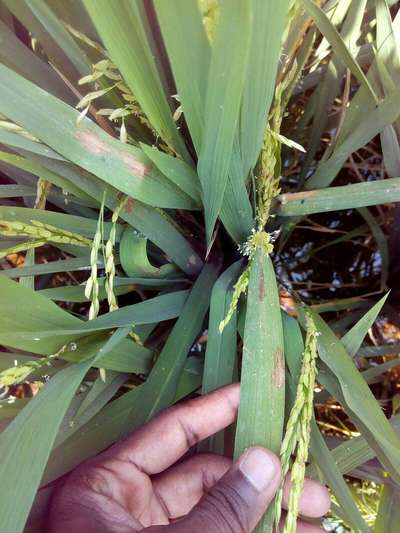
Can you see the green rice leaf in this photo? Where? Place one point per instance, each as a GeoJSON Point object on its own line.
{"type": "Point", "coordinates": [262, 398]}
{"type": "Point", "coordinates": [333, 478]}
{"type": "Point", "coordinates": [357, 398]}
{"type": "Point", "coordinates": [381, 242]}
{"type": "Point", "coordinates": [160, 388]}
{"type": "Point", "coordinates": [153, 223]}
{"type": "Point", "coordinates": [367, 121]}
{"type": "Point", "coordinates": [189, 55]}
{"type": "Point", "coordinates": [334, 199]}
{"type": "Point", "coordinates": [176, 170]}
{"type": "Point", "coordinates": [224, 91]}
{"type": "Point", "coordinates": [221, 349]}
{"type": "Point", "coordinates": [339, 46]}
{"type": "Point", "coordinates": [388, 516]}
{"type": "Point", "coordinates": [57, 42]}
{"type": "Point", "coordinates": [268, 26]}
{"type": "Point", "coordinates": [127, 37]}
{"type": "Point", "coordinates": [16, 55]}
{"type": "Point", "coordinates": [354, 337]}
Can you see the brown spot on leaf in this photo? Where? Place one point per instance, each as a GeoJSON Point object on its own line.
{"type": "Point", "coordinates": [278, 373]}
{"type": "Point", "coordinates": [136, 166]}
{"type": "Point", "coordinates": [92, 143]}
{"type": "Point", "coordinates": [261, 287]}
{"type": "Point", "coordinates": [129, 205]}
{"type": "Point", "coordinates": [291, 197]}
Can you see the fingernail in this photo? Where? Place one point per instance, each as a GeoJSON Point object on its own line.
{"type": "Point", "coordinates": [259, 468]}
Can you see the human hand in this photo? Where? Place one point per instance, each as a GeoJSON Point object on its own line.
{"type": "Point", "coordinates": [141, 483]}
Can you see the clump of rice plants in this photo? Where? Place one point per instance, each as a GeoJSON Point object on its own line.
{"type": "Point", "coordinates": [159, 160]}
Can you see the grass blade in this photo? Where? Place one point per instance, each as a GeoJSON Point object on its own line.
{"type": "Point", "coordinates": [333, 478]}
{"type": "Point", "coordinates": [224, 91]}
{"type": "Point", "coordinates": [160, 388]}
{"type": "Point", "coordinates": [339, 46]}
{"type": "Point", "coordinates": [262, 399]}
{"type": "Point", "coordinates": [352, 340]}
{"type": "Point", "coordinates": [356, 132]}
{"type": "Point", "coordinates": [125, 34]}
{"type": "Point", "coordinates": [357, 398]}
{"type": "Point", "coordinates": [337, 198]}
{"type": "Point", "coordinates": [221, 349]}
{"type": "Point", "coordinates": [268, 25]}
{"type": "Point", "coordinates": [189, 54]}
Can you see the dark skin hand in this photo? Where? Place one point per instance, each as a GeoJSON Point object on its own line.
{"type": "Point", "coordinates": [140, 484]}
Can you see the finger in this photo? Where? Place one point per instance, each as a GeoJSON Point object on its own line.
{"type": "Point", "coordinates": [164, 440]}
{"type": "Point", "coordinates": [181, 487]}
{"type": "Point", "coordinates": [314, 500]}
{"type": "Point", "coordinates": [239, 498]}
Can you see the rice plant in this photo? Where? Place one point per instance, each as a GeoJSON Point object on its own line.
{"type": "Point", "coordinates": [156, 159]}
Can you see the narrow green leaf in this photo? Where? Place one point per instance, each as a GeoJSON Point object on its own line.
{"type": "Point", "coordinates": [371, 375]}
{"type": "Point", "coordinates": [16, 55]}
{"type": "Point", "coordinates": [367, 122]}
{"type": "Point", "coordinates": [63, 265]}
{"type": "Point", "coordinates": [224, 91]}
{"type": "Point", "coordinates": [388, 516]}
{"type": "Point", "coordinates": [359, 401]}
{"type": "Point", "coordinates": [122, 285]}
{"type": "Point", "coordinates": [354, 337]}
{"type": "Point", "coordinates": [377, 351]}
{"type": "Point", "coordinates": [381, 242]}
{"type": "Point", "coordinates": [221, 349]}
{"type": "Point", "coordinates": [58, 43]}
{"type": "Point", "coordinates": [353, 453]}
{"type": "Point", "coordinates": [81, 225]}
{"type": "Point", "coordinates": [134, 258]}
{"type": "Point", "coordinates": [160, 388]}
{"type": "Point", "coordinates": [38, 325]}
{"type": "Point", "coordinates": [153, 223]}
{"type": "Point", "coordinates": [268, 26]}
{"type": "Point", "coordinates": [14, 191]}
{"type": "Point", "coordinates": [333, 478]}
{"type": "Point", "coordinates": [189, 54]}
{"type": "Point", "coordinates": [236, 211]}
{"type": "Point", "coordinates": [38, 170]}
{"type": "Point", "coordinates": [339, 46]}
{"type": "Point", "coordinates": [126, 35]}
{"type": "Point", "coordinates": [176, 170]}
{"type": "Point", "coordinates": [129, 357]}
{"type": "Point", "coordinates": [337, 198]}
{"type": "Point", "coordinates": [94, 400]}
{"type": "Point", "coordinates": [262, 398]}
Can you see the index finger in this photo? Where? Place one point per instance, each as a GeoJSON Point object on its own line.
{"type": "Point", "coordinates": [167, 437]}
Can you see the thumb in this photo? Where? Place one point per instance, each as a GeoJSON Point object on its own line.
{"type": "Point", "coordinates": [239, 499]}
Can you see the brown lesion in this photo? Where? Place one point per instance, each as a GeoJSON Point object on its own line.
{"type": "Point", "coordinates": [295, 196]}
{"type": "Point", "coordinates": [278, 372]}
{"type": "Point", "coordinates": [129, 205]}
{"type": "Point", "coordinates": [136, 166]}
{"type": "Point", "coordinates": [91, 142]}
